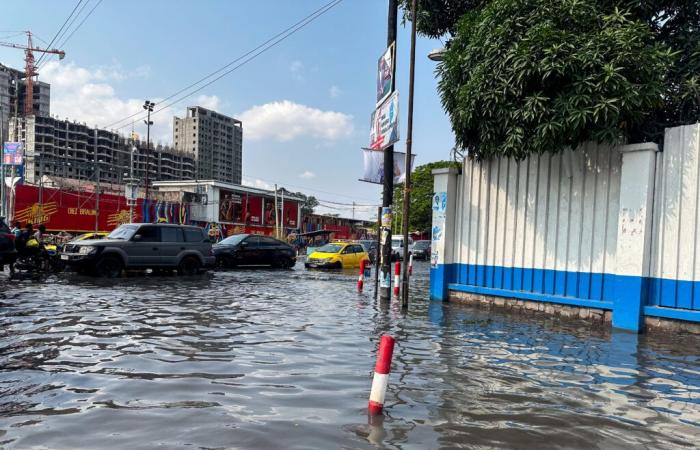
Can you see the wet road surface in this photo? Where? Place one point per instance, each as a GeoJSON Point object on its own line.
{"type": "Point", "coordinates": [283, 359]}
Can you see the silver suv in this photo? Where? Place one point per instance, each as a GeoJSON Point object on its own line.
{"type": "Point", "coordinates": [142, 246]}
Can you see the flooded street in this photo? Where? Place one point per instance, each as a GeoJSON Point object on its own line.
{"type": "Point", "coordinates": [283, 359]}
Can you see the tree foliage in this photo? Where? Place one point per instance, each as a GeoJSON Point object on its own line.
{"type": "Point", "coordinates": [421, 196]}
{"type": "Point", "coordinates": [308, 204]}
{"type": "Point", "coordinates": [530, 76]}
{"type": "Point", "coordinates": [550, 74]}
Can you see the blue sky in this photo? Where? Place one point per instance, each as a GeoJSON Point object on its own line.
{"type": "Point", "coordinates": [305, 104]}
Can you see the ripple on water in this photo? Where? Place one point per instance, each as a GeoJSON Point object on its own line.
{"type": "Point", "coordinates": [265, 359]}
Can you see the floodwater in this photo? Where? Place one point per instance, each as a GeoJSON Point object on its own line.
{"type": "Point", "coordinates": [283, 359]}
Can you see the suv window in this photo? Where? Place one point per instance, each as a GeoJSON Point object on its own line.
{"type": "Point", "coordinates": [149, 233]}
{"type": "Point", "coordinates": [193, 235]}
{"type": "Point", "coordinates": [171, 234]}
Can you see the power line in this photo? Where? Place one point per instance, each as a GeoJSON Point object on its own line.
{"type": "Point", "coordinates": [63, 44]}
{"type": "Point", "coordinates": [72, 21]}
{"type": "Point", "coordinates": [59, 31]}
{"type": "Point", "coordinates": [273, 41]}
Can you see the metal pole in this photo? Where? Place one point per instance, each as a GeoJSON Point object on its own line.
{"type": "Point", "coordinates": [131, 180]}
{"type": "Point", "coordinates": [409, 144]}
{"type": "Point", "coordinates": [282, 219]}
{"type": "Point", "coordinates": [148, 150]}
{"type": "Point", "coordinates": [277, 233]}
{"type": "Point", "coordinates": [376, 251]}
{"type": "Point", "coordinates": [97, 187]}
{"type": "Point", "coordinates": [388, 190]}
{"type": "Point", "coordinates": [3, 213]}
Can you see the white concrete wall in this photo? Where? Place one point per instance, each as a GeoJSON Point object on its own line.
{"type": "Point", "coordinates": [675, 262]}
{"type": "Point", "coordinates": [546, 224]}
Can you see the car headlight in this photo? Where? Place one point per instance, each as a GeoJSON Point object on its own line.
{"type": "Point", "coordinates": [326, 260]}
{"type": "Point", "coordinates": [87, 250]}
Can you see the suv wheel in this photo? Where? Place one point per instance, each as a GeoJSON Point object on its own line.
{"type": "Point", "coordinates": [109, 267]}
{"type": "Point", "coordinates": [189, 266]}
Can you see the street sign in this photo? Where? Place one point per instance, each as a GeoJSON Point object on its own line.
{"type": "Point", "coordinates": [384, 124]}
{"type": "Point", "coordinates": [385, 74]}
{"type": "Point", "coordinates": [12, 154]}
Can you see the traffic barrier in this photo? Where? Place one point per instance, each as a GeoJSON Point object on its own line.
{"type": "Point", "coordinates": [381, 376]}
{"type": "Point", "coordinates": [361, 279]}
{"type": "Point", "coordinates": [397, 278]}
{"type": "Point", "coordinates": [410, 264]}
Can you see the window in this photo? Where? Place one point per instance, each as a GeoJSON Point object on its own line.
{"type": "Point", "coordinates": [148, 234]}
{"type": "Point", "coordinates": [349, 249]}
{"type": "Point", "coordinates": [171, 234]}
{"type": "Point", "coordinates": [193, 235]}
{"type": "Point", "coordinates": [268, 242]}
{"type": "Point", "coordinates": [253, 241]}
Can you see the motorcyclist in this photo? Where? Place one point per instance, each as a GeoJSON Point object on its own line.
{"type": "Point", "coordinates": [40, 233]}
{"type": "Point", "coordinates": [17, 229]}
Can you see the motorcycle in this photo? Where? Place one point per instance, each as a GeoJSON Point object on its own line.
{"type": "Point", "coordinates": [37, 258]}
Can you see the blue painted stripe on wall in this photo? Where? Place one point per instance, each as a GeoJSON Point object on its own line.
{"type": "Point", "coordinates": [588, 286]}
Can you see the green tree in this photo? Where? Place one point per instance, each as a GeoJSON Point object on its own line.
{"type": "Point", "coordinates": [511, 61]}
{"type": "Point", "coordinates": [308, 204]}
{"type": "Point", "coordinates": [421, 214]}
{"type": "Point", "coordinates": [530, 76]}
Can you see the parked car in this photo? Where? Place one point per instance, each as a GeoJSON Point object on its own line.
{"type": "Point", "coordinates": [421, 250]}
{"type": "Point", "coordinates": [337, 255]}
{"type": "Point", "coordinates": [142, 246]}
{"type": "Point", "coordinates": [253, 250]}
{"type": "Point", "coordinates": [8, 252]}
{"type": "Point", "coordinates": [397, 247]}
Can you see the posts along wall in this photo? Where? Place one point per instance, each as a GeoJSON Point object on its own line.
{"type": "Point", "coordinates": [546, 225]}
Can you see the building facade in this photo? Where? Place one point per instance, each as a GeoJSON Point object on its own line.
{"type": "Point", "coordinates": [12, 98]}
{"type": "Point", "coordinates": [64, 149]}
{"type": "Point", "coordinates": [214, 140]}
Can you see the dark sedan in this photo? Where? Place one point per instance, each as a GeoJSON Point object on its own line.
{"type": "Point", "coordinates": [421, 250]}
{"type": "Point", "coordinates": [253, 250]}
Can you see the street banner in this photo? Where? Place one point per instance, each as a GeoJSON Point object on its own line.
{"type": "Point", "coordinates": [385, 124]}
{"type": "Point", "coordinates": [385, 74]}
{"type": "Point", "coordinates": [373, 164]}
{"type": "Point", "coordinates": [12, 154]}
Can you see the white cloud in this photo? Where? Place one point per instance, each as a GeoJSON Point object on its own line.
{"type": "Point", "coordinates": [307, 174]}
{"type": "Point", "coordinates": [87, 95]}
{"type": "Point", "coordinates": [258, 183]}
{"type": "Point", "coordinates": [296, 66]}
{"type": "Point", "coordinates": [335, 92]}
{"type": "Point", "coordinates": [285, 120]}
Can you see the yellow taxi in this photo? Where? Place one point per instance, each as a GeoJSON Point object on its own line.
{"type": "Point", "coordinates": [91, 236]}
{"type": "Point", "coordinates": [337, 255]}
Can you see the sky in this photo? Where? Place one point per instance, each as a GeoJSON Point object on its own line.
{"type": "Point", "coordinates": [305, 104]}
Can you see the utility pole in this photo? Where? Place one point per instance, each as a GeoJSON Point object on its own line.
{"type": "Point", "coordinates": [148, 106]}
{"type": "Point", "coordinates": [3, 213]}
{"type": "Point", "coordinates": [97, 186]}
{"type": "Point", "coordinates": [409, 144]}
{"type": "Point", "coordinates": [388, 191]}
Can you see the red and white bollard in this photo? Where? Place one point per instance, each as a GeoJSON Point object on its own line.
{"type": "Point", "coordinates": [381, 376]}
{"type": "Point", "coordinates": [397, 278]}
{"type": "Point", "coordinates": [410, 264]}
{"type": "Point", "coordinates": [361, 279]}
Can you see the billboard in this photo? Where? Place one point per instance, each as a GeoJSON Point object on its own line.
{"type": "Point", "coordinates": [384, 125]}
{"type": "Point", "coordinates": [230, 206]}
{"type": "Point", "coordinates": [373, 165]}
{"type": "Point", "coordinates": [12, 153]}
{"type": "Point", "coordinates": [385, 74]}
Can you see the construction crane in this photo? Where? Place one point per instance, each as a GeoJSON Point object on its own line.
{"type": "Point", "coordinates": [29, 68]}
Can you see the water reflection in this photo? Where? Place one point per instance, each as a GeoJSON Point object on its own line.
{"type": "Point", "coordinates": [264, 359]}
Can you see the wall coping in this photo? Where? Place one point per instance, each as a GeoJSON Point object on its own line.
{"type": "Point", "coordinates": [642, 147]}
{"type": "Point", "coordinates": [446, 171]}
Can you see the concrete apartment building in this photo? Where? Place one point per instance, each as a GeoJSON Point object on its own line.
{"type": "Point", "coordinates": [12, 97]}
{"type": "Point", "coordinates": [214, 140]}
{"type": "Point", "coordinates": [65, 149]}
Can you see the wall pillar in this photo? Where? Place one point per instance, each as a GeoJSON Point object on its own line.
{"type": "Point", "coordinates": [633, 253]}
{"type": "Point", "coordinates": [444, 205]}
